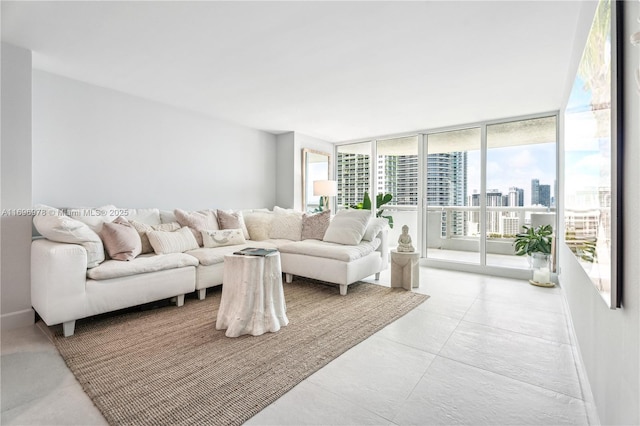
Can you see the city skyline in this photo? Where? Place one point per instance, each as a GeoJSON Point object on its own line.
{"type": "Point", "coordinates": [515, 166]}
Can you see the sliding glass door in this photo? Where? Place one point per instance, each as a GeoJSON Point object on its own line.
{"type": "Point", "coordinates": [452, 178]}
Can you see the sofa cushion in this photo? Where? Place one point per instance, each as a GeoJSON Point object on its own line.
{"type": "Point", "coordinates": [286, 225]}
{"type": "Point", "coordinates": [197, 222]}
{"type": "Point", "coordinates": [141, 265]}
{"type": "Point", "coordinates": [54, 225]}
{"type": "Point", "coordinates": [172, 242]}
{"type": "Point", "coordinates": [346, 253]}
{"type": "Point", "coordinates": [222, 237]}
{"type": "Point", "coordinates": [143, 228]}
{"type": "Point", "coordinates": [258, 224]}
{"type": "Point", "coordinates": [211, 256]}
{"type": "Point", "coordinates": [232, 220]}
{"type": "Point", "coordinates": [121, 240]}
{"type": "Point", "coordinates": [314, 226]}
{"type": "Point", "coordinates": [374, 227]}
{"type": "Point", "coordinates": [348, 227]}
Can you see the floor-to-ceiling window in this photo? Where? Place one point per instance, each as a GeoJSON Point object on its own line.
{"type": "Point", "coordinates": [520, 183]}
{"type": "Point", "coordinates": [452, 212]}
{"type": "Point", "coordinates": [465, 191]}
{"type": "Point", "coordinates": [397, 177]}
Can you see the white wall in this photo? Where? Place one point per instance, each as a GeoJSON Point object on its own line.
{"type": "Point", "coordinates": [290, 146]}
{"type": "Point", "coordinates": [15, 230]}
{"type": "Point", "coordinates": [93, 146]}
{"type": "Point", "coordinates": [609, 340]}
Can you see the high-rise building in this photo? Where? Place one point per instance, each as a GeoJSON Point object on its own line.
{"type": "Point", "coordinates": [535, 192]}
{"type": "Point", "coordinates": [352, 174]}
{"type": "Point", "coordinates": [544, 195]}
{"type": "Point", "coordinates": [447, 186]}
{"type": "Point", "coordinates": [516, 197]}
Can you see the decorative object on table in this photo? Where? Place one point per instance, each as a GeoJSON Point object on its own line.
{"type": "Point", "coordinates": [325, 189]}
{"type": "Point", "coordinates": [404, 241]}
{"type": "Point", "coordinates": [183, 357]}
{"type": "Point", "coordinates": [381, 200]}
{"type": "Point", "coordinates": [537, 243]}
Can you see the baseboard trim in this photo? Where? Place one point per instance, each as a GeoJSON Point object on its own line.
{"type": "Point", "coordinates": [17, 319]}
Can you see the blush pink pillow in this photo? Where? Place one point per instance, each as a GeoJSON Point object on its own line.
{"type": "Point", "coordinates": [121, 240]}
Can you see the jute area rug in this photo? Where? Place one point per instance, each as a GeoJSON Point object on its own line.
{"type": "Point", "coordinates": [171, 366]}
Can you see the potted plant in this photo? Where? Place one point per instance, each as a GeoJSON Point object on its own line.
{"type": "Point", "coordinates": [536, 243]}
{"type": "Point", "coordinates": [381, 199]}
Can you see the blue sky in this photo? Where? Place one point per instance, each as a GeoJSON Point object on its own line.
{"type": "Point", "coordinates": [514, 166]}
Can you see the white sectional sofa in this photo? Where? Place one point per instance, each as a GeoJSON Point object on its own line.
{"type": "Point", "coordinates": [72, 277]}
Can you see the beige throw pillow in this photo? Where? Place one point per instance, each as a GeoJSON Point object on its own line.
{"type": "Point", "coordinates": [143, 228]}
{"type": "Point", "coordinates": [121, 240]}
{"type": "Point", "coordinates": [197, 221]}
{"type": "Point", "coordinates": [172, 242]}
{"type": "Point", "coordinates": [286, 225]}
{"type": "Point", "coordinates": [314, 226]}
{"type": "Point", "coordinates": [258, 224]}
{"type": "Point", "coordinates": [348, 227]}
{"type": "Point", "coordinates": [223, 237]}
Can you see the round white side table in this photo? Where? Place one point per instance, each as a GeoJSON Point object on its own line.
{"type": "Point", "coordinates": [405, 269]}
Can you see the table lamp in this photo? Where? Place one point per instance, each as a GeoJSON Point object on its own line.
{"type": "Point", "coordinates": [325, 189]}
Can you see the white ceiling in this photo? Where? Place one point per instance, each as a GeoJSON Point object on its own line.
{"type": "Point", "coordinates": [333, 70]}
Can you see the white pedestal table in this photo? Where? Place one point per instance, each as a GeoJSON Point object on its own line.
{"type": "Point", "coordinates": [405, 269]}
{"type": "Point", "coordinates": [252, 296]}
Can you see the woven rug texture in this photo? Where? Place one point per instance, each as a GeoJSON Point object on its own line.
{"type": "Point", "coordinates": [171, 366]}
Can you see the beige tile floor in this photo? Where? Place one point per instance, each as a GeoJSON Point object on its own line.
{"type": "Point", "coordinates": [481, 350]}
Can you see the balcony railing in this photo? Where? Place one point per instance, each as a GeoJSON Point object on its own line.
{"type": "Point", "coordinates": [453, 232]}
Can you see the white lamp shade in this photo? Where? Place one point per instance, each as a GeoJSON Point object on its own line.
{"type": "Point", "coordinates": [326, 188]}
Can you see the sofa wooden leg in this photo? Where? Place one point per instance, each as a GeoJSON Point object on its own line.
{"type": "Point", "coordinates": [377, 276]}
{"type": "Point", "coordinates": [288, 278]}
{"type": "Point", "coordinates": [202, 293]}
{"type": "Point", "coordinates": [180, 300]}
{"type": "Point", "coordinates": [343, 289]}
{"type": "Point", "coordinates": [69, 328]}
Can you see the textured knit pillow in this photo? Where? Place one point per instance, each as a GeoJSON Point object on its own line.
{"type": "Point", "coordinates": [121, 240]}
{"type": "Point", "coordinates": [286, 226]}
{"type": "Point", "coordinates": [143, 228]}
{"type": "Point", "coordinates": [232, 220]}
{"type": "Point", "coordinates": [348, 227]}
{"type": "Point", "coordinates": [258, 224]}
{"type": "Point", "coordinates": [54, 225]}
{"type": "Point", "coordinates": [314, 226]}
{"type": "Point", "coordinates": [223, 237]}
{"type": "Point", "coordinates": [172, 242]}
{"type": "Point", "coordinates": [197, 221]}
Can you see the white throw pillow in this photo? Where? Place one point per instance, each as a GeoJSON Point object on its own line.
{"type": "Point", "coordinates": [148, 216]}
{"type": "Point", "coordinates": [172, 242]}
{"type": "Point", "coordinates": [223, 237]}
{"type": "Point", "coordinates": [374, 227]}
{"type": "Point", "coordinates": [348, 227]}
{"type": "Point", "coordinates": [286, 225]}
{"type": "Point", "coordinates": [54, 225]}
